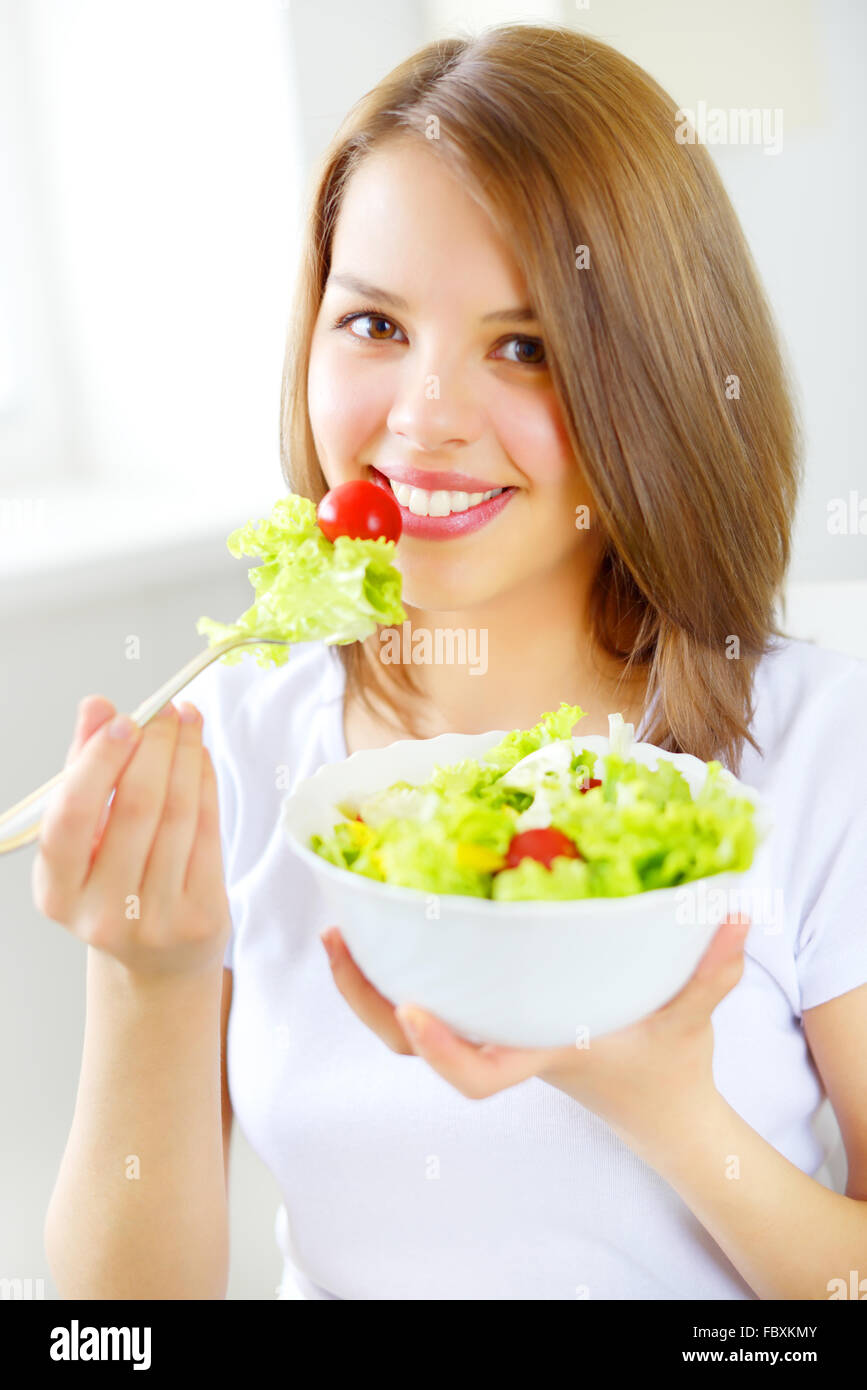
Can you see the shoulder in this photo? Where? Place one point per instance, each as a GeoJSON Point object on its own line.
{"type": "Point", "coordinates": [794, 671]}
{"type": "Point", "coordinates": [809, 706]}
{"type": "Point", "coordinates": [809, 718]}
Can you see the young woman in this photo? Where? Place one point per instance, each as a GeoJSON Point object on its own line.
{"type": "Point", "coordinates": [516, 281]}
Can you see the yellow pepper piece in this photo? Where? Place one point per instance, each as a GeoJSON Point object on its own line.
{"type": "Point", "coordinates": [359, 832]}
{"type": "Point", "coordinates": [479, 857]}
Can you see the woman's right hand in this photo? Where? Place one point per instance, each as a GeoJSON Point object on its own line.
{"type": "Point", "coordinates": [141, 879]}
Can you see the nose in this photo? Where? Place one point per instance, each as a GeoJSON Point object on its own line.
{"type": "Point", "coordinates": [434, 406]}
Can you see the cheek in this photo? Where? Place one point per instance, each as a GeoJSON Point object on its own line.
{"type": "Point", "coordinates": [535, 438]}
{"type": "Point", "coordinates": [344, 412]}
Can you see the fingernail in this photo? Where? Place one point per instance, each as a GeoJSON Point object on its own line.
{"type": "Point", "coordinates": [167, 712]}
{"type": "Point", "coordinates": [329, 944]}
{"type": "Point", "coordinates": [122, 727]}
{"type": "Point", "coordinates": [189, 713]}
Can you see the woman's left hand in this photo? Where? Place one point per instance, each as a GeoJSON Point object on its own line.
{"type": "Point", "coordinates": [637, 1078]}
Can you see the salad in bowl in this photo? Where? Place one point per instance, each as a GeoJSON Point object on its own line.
{"type": "Point", "coordinates": [542, 817]}
{"type": "Point", "coordinates": [527, 887]}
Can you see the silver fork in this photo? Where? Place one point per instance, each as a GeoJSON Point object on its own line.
{"type": "Point", "coordinates": [21, 824]}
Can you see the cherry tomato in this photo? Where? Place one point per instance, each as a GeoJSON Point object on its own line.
{"type": "Point", "coordinates": [543, 845]}
{"type": "Point", "coordinates": [359, 509]}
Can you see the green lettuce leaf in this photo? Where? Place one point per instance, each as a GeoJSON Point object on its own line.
{"type": "Point", "coordinates": [308, 589]}
{"type": "Point", "coordinates": [557, 724]}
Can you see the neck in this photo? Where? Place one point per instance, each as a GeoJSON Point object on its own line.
{"type": "Point", "coordinates": [512, 658]}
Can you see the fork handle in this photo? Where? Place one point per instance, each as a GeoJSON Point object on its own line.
{"type": "Point", "coordinates": [21, 824]}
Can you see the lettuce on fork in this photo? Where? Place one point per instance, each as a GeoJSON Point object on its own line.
{"type": "Point", "coordinates": [308, 589]}
{"type": "Point", "coordinates": [638, 829]}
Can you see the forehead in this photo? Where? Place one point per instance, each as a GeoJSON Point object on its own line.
{"type": "Point", "coordinates": [407, 223]}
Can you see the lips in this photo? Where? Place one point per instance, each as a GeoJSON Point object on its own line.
{"type": "Point", "coordinates": [434, 480]}
{"type": "Point", "coordinates": [472, 509]}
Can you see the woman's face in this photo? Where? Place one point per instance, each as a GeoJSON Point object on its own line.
{"type": "Point", "coordinates": [443, 389]}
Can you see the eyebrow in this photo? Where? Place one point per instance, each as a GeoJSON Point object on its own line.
{"type": "Point", "coordinates": [522, 314]}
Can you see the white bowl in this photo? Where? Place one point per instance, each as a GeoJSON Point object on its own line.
{"type": "Point", "coordinates": [521, 974]}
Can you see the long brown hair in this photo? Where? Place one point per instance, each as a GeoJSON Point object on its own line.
{"type": "Point", "coordinates": [662, 349]}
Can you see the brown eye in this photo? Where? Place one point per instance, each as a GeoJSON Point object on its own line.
{"type": "Point", "coordinates": [382, 329]}
{"type": "Point", "coordinates": [377, 330]}
{"type": "Point", "coordinates": [530, 351]}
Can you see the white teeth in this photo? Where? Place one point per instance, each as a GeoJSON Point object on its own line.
{"type": "Point", "coordinates": [418, 502]}
{"type": "Point", "coordinates": [439, 502]}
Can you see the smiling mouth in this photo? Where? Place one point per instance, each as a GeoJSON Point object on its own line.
{"type": "Point", "coordinates": [438, 502]}
{"type": "Point", "coordinates": [440, 515]}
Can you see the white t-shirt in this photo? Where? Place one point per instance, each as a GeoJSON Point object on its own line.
{"type": "Point", "coordinates": [396, 1186]}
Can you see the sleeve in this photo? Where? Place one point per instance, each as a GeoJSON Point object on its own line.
{"type": "Point", "coordinates": [207, 692]}
{"type": "Point", "coordinates": [831, 955]}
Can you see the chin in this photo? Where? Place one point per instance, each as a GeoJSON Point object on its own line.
{"type": "Point", "coordinates": [434, 589]}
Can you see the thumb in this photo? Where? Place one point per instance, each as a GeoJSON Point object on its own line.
{"type": "Point", "coordinates": [716, 974]}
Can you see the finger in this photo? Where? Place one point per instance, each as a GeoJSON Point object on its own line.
{"type": "Point", "coordinates": [98, 833]}
{"type": "Point", "coordinates": [93, 712]}
{"type": "Point", "coordinates": [475, 1071]}
{"type": "Point", "coordinates": [135, 813]}
{"type": "Point", "coordinates": [166, 867]}
{"type": "Point", "coordinates": [205, 868]}
{"type": "Point", "coordinates": [361, 996]}
{"type": "Point", "coordinates": [716, 974]}
{"type": "Point", "coordinates": [76, 805]}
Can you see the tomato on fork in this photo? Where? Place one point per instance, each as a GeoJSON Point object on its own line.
{"type": "Point", "coordinates": [359, 509]}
